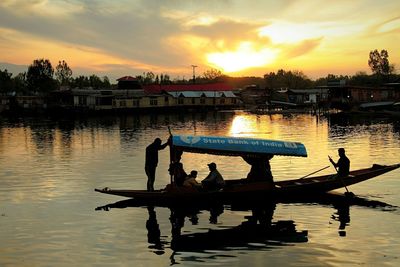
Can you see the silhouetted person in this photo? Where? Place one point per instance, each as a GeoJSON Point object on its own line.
{"type": "Point", "coordinates": [214, 180]}
{"type": "Point", "coordinates": [177, 171]}
{"type": "Point", "coordinates": [260, 168]}
{"type": "Point", "coordinates": [343, 164]}
{"type": "Point", "coordinates": [152, 161]}
{"type": "Point", "coordinates": [190, 180]}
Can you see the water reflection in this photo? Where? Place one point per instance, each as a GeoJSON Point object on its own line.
{"type": "Point", "coordinates": [49, 168]}
{"type": "Point", "coordinates": [258, 230]}
{"type": "Point", "coordinates": [154, 233]}
{"type": "Point", "coordinates": [342, 215]}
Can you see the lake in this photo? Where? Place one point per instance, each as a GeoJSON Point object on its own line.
{"type": "Point", "coordinates": [50, 167]}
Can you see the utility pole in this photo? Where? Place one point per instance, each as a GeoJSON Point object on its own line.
{"type": "Point", "coordinates": [194, 75]}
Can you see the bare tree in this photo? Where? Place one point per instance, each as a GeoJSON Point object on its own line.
{"type": "Point", "coordinates": [63, 73]}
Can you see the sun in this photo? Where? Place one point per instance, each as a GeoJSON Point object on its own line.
{"type": "Point", "coordinates": [244, 57]}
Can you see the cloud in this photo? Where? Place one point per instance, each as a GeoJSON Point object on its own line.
{"type": "Point", "coordinates": [229, 32]}
{"type": "Point", "coordinates": [387, 27]}
{"type": "Point", "coordinates": [53, 8]}
{"type": "Point", "coordinates": [171, 35]}
{"type": "Point", "coordinates": [302, 48]}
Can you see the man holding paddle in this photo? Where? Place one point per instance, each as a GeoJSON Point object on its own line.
{"type": "Point", "coordinates": [152, 161]}
{"type": "Point", "coordinates": [343, 164]}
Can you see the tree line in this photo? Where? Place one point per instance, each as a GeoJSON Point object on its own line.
{"type": "Point", "coordinates": [42, 78]}
{"type": "Point", "coordinates": [382, 72]}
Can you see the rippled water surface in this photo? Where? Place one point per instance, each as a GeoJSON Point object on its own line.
{"type": "Point", "coordinates": [49, 169]}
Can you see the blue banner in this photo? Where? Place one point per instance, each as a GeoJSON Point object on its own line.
{"type": "Point", "coordinates": [236, 146]}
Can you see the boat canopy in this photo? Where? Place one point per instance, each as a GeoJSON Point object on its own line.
{"type": "Point", "coordinates": [236, 146]}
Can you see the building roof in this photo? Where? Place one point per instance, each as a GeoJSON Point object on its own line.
{"type": "Point", "coordinates": [158, 88]}
{"type": "Point", "coordinates": [310, 91]}
{"type": "Point", "coordinates": [202, 94]}
{"type": "Point", "coordinates": [127, 78]}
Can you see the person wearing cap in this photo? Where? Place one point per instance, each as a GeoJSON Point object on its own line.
{"type": "Point", "coordinates": [152, 161]}
{"type": "Point", "coordinates": [343, 164]}
{"type": "Point", "coordinates": [214, 180]}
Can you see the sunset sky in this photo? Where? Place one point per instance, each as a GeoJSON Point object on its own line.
{"type": "Point", "coordinates": [240, 38]}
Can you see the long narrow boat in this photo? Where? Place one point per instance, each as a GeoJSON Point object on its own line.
{"type": "Point", "coordinates": [236, 189]}
{"type": "Point", "coordinates": [240, 188]}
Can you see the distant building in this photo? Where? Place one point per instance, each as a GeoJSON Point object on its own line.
{"type": "Point", "coordinates": [4, 103]}
{"type": "Point", "coordinates": [308, 96]}
{"type": "Point", "coordinates": [147, 97]}
{"type": "Point", "coordinates": [349, 97]}
{"type": "Point", "coordinates": [253, 95]}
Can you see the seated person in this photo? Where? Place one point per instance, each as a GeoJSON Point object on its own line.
{"type": "Point", "coordinates": [178, 173]}
{"type": "Point", "coordinates": [190, 180]}
{"type": "Point", "coordinates": [214, 180]}
{"type": "Point", "coordinates": [343, 164]}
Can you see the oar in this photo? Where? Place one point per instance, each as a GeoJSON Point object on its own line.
{"type": "Point", "coordinates": [348, 193]}
{"type": "Point", "coordinates": [170, 153]}
{"type": "Point", "coordinates": [314, 172]}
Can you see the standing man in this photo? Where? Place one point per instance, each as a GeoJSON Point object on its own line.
{"type": "Point", "coordinates": [152, 161]}
{"type": "Point", "coordinates": [343, 164]}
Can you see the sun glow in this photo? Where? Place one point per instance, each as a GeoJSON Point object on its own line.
{"type": "Point", "coordinates": [246, 56]}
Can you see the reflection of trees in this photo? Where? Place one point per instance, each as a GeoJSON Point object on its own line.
{"type": "Point", "coordinates": [67, 128]}
{"type": "Point", "coordinates": [42, 136]}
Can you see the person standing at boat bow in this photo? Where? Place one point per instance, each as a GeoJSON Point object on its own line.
{"type": "Point", "coordinates": [152, 161]}
{"type": "Point", "coordinates": [214, 180]}
{"type": "Point", "coordinates": [343, 164]}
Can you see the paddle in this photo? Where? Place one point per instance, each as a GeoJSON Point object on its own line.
{"type": "Point", "coordinates": [170, 153]}
{"type": "Point", "coordinates": [348, 193]}
{"type": "Point", "coordinates": [314, 172]}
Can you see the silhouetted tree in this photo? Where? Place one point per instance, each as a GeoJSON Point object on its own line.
{"type": "Point", "coordinates": [379, 62]}
{"type": "Point", "coordinates": [63, 73]}
{"type": "Point", "coordinates": [212, 74]}
{"type": "Point", "coordinates": [106, 82]}
{"type": "Point", "coordinates": [165, 79]}
{"type": "Point", "coordinates": [20, 84]}
{"type": "Point", "coordinates": [287, 79]}
{"type": "Point", "coordinates": [40, 76]}
{"type": "Point", "coordinates": [80, 82]}
{"type": "Point", "coordinates": [6, 85]}
{"type": "Point", "coordinates": [149, 77]}
{"type": "Point", "coordinates": [95, 81]}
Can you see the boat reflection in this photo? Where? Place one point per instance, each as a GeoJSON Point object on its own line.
{"type": "Point", "coordinates": [154, 233]}
{"type": "Point", "coordinates": [342, 215]}
{"type": "Point", "coordinates": [257, 230]}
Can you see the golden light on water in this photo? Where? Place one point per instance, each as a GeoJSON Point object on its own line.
{"type": "Point", "coordinates": [251, 126]}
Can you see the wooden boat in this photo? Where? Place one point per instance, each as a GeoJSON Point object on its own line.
{"type": "Point", "coordinates": [236, 189]}
{"type": "Point", "coordinates": [242, 188]}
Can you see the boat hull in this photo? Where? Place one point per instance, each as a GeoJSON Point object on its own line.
{"type": "Point", "coordinates": [237, 190]}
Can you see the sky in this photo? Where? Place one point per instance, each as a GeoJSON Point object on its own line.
{"type": "Point", "coordinates": [240, 38]}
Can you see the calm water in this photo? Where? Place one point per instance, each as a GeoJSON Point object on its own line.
{"type": "Point", "coordinates": [49, 168]}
